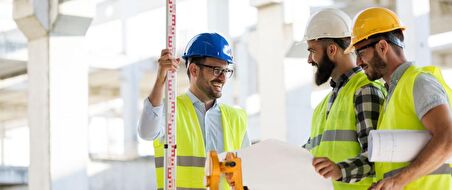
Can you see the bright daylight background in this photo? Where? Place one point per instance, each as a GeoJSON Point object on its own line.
{"type": "Point", "coordinates": [73, 99]}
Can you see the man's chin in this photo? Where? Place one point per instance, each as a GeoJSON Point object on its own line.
{"type": "Point", "coordinates": [318, 83]}
{"type": "Point", "coordinates": [372, 77]}
{"type": "Point", "coordinates": [216, 95]}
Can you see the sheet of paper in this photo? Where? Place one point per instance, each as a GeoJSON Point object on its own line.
{"type": "Point", "coordinates": [397, 145]}
{"type": "Point", "coordinates": [273, 164]}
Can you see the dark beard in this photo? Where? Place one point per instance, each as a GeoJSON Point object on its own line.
{"type": "Point", "coordinates": [205, 87]}
{"type": "Point", "coordinates": [211, 93]}
{"type": "Point", "coordinates": [324, 69]}
{"type": "Point", "coordinates": [378, 66]}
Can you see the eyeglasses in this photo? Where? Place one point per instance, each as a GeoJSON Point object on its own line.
{"type": "Point", "coordinates": [217, 71]}
{"type": "Point", "coordinates": [359, 51]}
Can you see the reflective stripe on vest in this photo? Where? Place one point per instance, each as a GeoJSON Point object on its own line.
{"type": "Point", "coordinates": [191, 153]}
{"type": "Point", "coordinates": [183, 188]}
{"type": "Point", "coordinates": [183, 161]}
{"type": "Point", "coordinates": [336, 137]}
{"type": "Point", "coordinates": [400, 114]}
{"type": "Point", "coordinates": [443, 169]}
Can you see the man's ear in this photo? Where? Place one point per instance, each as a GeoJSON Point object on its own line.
{"type": "Point", "coordinates": [331, 51]}
{"type": "Point", "coordinates": [193, 70]}
{"type": "Point", "coordinates": [382, 48]}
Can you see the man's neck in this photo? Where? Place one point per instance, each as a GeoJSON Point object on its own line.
{"type": "Point", "coordinates": [342, 66]}
{"type": "Point", "coordinates": [396, 61]}
{"type": "Point", "coordinates": [202, 97]}
{"type": "Point", "coordinates": [391, 70]}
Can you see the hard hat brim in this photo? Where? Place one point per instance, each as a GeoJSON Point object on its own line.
{"type": "Point", "coordinates": [351, 47]}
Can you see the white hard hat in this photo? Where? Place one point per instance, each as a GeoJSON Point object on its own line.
{"type": "Point", "coordinates": [328, 23]}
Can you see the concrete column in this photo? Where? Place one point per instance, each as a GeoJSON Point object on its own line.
{"type": "Point", "coordinates": [246, 83]}
{"type": "Point", "coordinates": [129, 89]}
{"type": "Point", "coordinates": [2, 143]}
{"type": "Point", "coordinates": [298, 75]}
{"type": "Point", "coordinates": [130, 77]}
{"type": "Point", "coordinates": [415, 15]}
{"type": "Point", "coordinates": [218, 16]}
{"type": "Point", "coordinates": [218, 21]}
{"type": "Point", "coordinates": [58, 91]}
{"type": "Point", "coordinates": [271, 53]}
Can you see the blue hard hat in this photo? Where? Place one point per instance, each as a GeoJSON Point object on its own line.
{"type": "Point", "coordinates": [208, 45]}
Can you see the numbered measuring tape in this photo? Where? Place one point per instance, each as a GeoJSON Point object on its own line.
{"type": "Point", "coordinates": [170, 159]}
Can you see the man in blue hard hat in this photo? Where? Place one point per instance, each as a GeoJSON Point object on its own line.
{"type": "Point", "coordinates": [203, 124]}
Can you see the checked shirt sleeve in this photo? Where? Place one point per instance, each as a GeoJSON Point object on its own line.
{"type": "Point", "coordinates": [368, 102]}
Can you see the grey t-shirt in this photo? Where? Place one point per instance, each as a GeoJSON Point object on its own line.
{"type": "Point", "coordinates": [427, 91]}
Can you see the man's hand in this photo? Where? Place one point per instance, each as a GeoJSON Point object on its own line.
{"type": "Point", "coordinates": [390, 183]}
{"type": "Point", "coordinates": [327, 168]}
{"type": "Point", "coordinates": [167, 63]}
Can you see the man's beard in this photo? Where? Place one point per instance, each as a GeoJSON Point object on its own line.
{"type": "Point", "coordinates": [324, 69]}
{"type": "Point", "coordinates": [377, 66]}
{"type": "Point", "coordinates": [205, 86]}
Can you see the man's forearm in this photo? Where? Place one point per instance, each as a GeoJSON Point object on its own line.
{"type": "Point", "coordinates": [432, 156]}
{"type": "Point", "coordinates": [438, 121]}
{"type": "Point", "coordinates": [156, 95]}
{"type": "Point", "coordinates": [149, 126]}
{"type": "Point", "coordinates": [355, 169]}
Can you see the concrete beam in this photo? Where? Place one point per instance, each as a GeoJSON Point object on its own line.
{"type": "Point", "coordinates": [74, 17]}
{"type": "Point", "coordinates": [71, 25]}
{"type": "Point", "coordinates": [441, 41]}
{"type": "Point", "coordinates": [11, 68]}
{"type": "Point", "coordinates": [11, 112]}
{"type": "Point", "coordinates": [13, 175]}
{"type": "Point", "coordinates": [262, 3]}
{"type": "Point", "coordinates": [32, 17]}
{"type": "Point", "coordinates": [36, 18]}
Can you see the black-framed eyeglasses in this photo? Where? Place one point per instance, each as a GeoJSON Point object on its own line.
{"type": "Point", "coordinates": [372, 44]}
{"type": "Point", "coordinates": [217, 71]}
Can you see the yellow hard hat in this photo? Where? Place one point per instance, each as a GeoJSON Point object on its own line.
{"type": "Point", "coordinates": [372, 21]}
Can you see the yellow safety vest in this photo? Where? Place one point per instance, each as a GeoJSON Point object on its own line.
{"type": "Point", "coordinates": [191, 153]}
{"type": "Point", "coordinates": [400, 114]}
{"type": "Point", "coordinates": [335, 137]}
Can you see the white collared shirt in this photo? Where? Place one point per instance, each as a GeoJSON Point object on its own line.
{"type": "Point", "coordinates": [151, 124]}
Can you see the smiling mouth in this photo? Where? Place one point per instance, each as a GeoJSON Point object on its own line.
{"type": "Point", "coordinates": [217, 85]}
{"type": "Point", "coordinates": [364, 67]}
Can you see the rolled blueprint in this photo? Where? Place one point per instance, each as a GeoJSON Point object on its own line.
{"type": "Point", "coordinates": [397, 145]}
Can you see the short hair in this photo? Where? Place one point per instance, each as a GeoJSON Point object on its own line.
{"type": "Point", "coordinates": [195, 60]}
{"type": "Point", "coordinates": [343, 43]}
{"type": "Point", "coordinates": [395, 39]}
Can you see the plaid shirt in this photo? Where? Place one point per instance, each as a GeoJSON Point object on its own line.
{"type": "Point", "coordinates": [368, 100]}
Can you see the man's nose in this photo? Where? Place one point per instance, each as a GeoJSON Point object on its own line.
{"type": "Point", "coordinates": [359, 61]}
{"type": "Point", "coordinates": [310, 61]}
{"type": "Point", "coordinates": [222, 76]}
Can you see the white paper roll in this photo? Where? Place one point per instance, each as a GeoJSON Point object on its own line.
{"type": "Point", "coordinates": [397, 145]}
